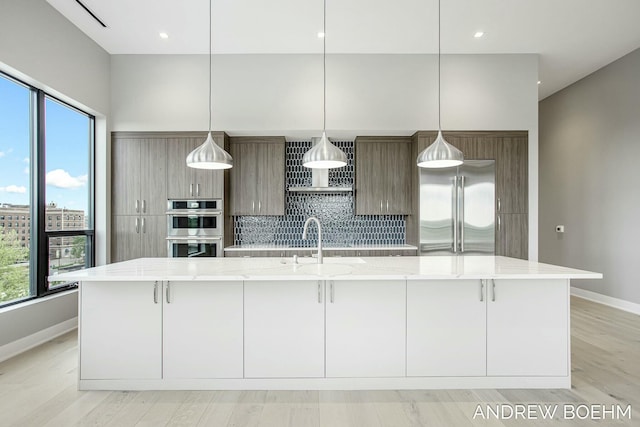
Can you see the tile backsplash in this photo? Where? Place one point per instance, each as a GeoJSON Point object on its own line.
{"type": "Point", "coordinates": [340, 226]}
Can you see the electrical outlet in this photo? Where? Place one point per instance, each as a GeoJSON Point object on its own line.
{"type": "Point", "coordinates": [559, 228]}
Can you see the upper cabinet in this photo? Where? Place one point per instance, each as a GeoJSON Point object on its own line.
{"type": "Point", "coordinates": [257, 184]}
{"type": "Point", "coordinates": [139, 168]}
{"type": "Point", "coordinates": [512, 173]}
{"type": "Point", "coordinates": [383, 175]}
{"type": "Point", "coordinates": [188, 183]}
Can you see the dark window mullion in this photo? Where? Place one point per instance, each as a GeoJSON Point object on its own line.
{"type": "Point", "coordinates": [42, 257]}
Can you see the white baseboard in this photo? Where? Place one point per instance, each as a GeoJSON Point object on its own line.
{"type": "Point", "coordinates": [618, 303]}
{"type": "Point", "coordinates": [14, 348]}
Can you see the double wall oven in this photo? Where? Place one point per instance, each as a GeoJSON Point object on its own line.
{"type": "Point", "coordinates": [194, 228]}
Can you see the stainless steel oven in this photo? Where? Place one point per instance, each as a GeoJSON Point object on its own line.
{"type": "Point", "coordinates": [181, 247]}
{"type": "Point", "coordinates": [194, 228]}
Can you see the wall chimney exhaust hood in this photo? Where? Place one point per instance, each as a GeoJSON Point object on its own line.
{"type": "Point", "coordinates": [320, 184]}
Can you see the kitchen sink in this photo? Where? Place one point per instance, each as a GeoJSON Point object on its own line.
{"type": "Point", "coordinates": [327, 260]}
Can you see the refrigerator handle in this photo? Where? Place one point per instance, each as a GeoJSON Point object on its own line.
{"type": "Point", "coordinates": [455, 214]}
{"type": "Point", "coordinates": [461, 215]}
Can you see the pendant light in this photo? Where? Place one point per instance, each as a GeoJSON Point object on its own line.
{"type": "Point", "coordinates": [440, 154]}
{"type": "Point", "coordinates": [323, 154]}
{"type": "Point", "coordinates": [209, 155]}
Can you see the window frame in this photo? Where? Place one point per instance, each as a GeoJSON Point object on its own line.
{"type": "Point", "coordinates": [39, 236]}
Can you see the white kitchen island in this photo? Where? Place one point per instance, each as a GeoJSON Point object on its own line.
{"type": "Point", "coordinates": [351, 323]}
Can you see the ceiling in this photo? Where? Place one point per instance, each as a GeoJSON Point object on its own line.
{"type": "Point", "coordinates": [572, 37]}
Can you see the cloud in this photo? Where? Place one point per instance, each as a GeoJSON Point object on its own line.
{"type": "Point", "coordinates": [2, 153]}
{"type": "Point", "coordinates": [26, 170]}
{"type": "Point", "coordinates": [61, 179]}
{"type": "Point", "coordinates": [14, 189]}
{"type": "Point", "coordinates": [26, 160]}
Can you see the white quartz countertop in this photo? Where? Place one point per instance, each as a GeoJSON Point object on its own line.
{"type": "Point", "coordinates": [366, 268]}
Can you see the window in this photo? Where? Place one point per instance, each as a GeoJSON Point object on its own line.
{"type": "Point", "coordinates": [15, 189]}
{"type": "Point", "coordinates": [46, 171]}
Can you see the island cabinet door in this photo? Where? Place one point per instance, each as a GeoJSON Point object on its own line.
{"type": "Point", "coordinates": [366, 328]}
{"type": "Point", "coordinates": [446, 328]}
{"type": "Point", "coordinates": [202, 329]}
{"type": "Point", "coordinates": [283, 329]}
{"type": "Point", "coordinates": [120, 330]}
{"type": "Point", "coordinates": [528, 327]}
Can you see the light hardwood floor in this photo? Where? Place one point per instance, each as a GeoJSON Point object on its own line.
{"type": "Point", "coordinates": [38, 388]}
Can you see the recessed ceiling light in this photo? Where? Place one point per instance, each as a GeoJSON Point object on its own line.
{"type": "Point", "coordinates": [539, 82]}
{"type": "Point", "coordinates": [164, 35]}
{"type": "Point", "coordinates": [478, 34]}
{"type": "Point", "coordinates": [320, 34]}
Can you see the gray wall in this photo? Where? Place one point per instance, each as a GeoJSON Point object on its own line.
{"type": "Point", "coordinates": [39, 46]}
{"type": "Point", "coordinates": [589, 177]}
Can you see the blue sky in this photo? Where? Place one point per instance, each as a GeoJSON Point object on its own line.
{"type": "Point", "coordinates": [67, 151]}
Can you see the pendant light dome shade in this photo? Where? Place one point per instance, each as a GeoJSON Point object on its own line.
{"type": "Point", "coordinates": [209, 155]}
{"type": "Point", "coordinates": [324, 155]}
{"type": "Point", "coordinates": [440, 154]}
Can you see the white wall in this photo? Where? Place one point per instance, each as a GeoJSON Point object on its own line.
{"type": "Point", "coordinates": [39, 46]}
{"type": "Point", "coordinates": [589, 174]}
{"type": "Point", "coordinates": [366, 94]}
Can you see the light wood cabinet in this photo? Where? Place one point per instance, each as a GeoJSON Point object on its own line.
{"type": "Point", "coordinates": [202, 330]}
{"type": "Point", "coordinates": [512, 184]}
{"type": "Point", "coordinates": [120, 336]}
{"type": "Point", "coordinates": [257, 178]}
{"type": "Point", "coordinates": [138, 196]}
{"type": "Point", "coordinates": [284, 329]}
{"type": "Point", "coordinates": [443, 340]}
{"type": "Point", "coordinates": [366, 324]}
{"type": "Point", "coordinates": [527, 327]}
{"type": "Point", "coordinates": [512, 231]}
{"type": "Point", "coordinates": [139, 168]}
{"type": "Point", "coordinates": [383, 175]}
{"type": "Point", "coordinates": [184, 182]}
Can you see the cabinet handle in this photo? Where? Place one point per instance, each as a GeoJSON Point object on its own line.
{"type": "Point", "coordinates": [332, 292]}
{"type": "Point", "coordinates": [482, 290]}
{"type": "Point", "coordinates": [499, 223]}
{"type": "Point", "coordinates": [319, 291]}
{"type": "Point", "coordinates": [387, 205]}
{"type": "Point", "coordinates": [137, 225]}
{"type": "Point", "coordinates": [493, 290]}
{"type": "Point", "coordinates": [380, 205]}
{"type": "Point", "coordinates": [191, 189]}
{"type": "Point", "coordinates": [168, 292]}
{"type": "Point", "coordinates": [253, 206]}
{"type": "Point", "coordinates": [498, 204]}
{"type": "Point", "coordinates": [144, 206]}
{"type": "Point", "coordinates": [259, 206]}
{"type": "Point", "coordinates": [197, 190]}
{"type": "Point", "coordinates": [155, 292]}
{"type": "Point", "coordinates": [144, 228]}
{"type": "Point", "coordinates": [137, 206]}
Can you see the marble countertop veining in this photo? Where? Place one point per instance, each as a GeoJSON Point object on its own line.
{"type": "Point", "coordinates": [345, 268]}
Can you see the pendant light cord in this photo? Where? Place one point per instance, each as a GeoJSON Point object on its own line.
{"type": "Point", "coordinates": [210, 89]}
{"type": "Point", "coordinates": [439, 101]}
{"type": "Point", "coordinates": [324, 67]}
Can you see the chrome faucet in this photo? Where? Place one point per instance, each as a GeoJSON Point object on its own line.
{"type": "Point", "coordinates": [304, 235]}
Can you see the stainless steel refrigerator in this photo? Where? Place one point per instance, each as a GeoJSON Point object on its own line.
{"type": "Point", "coordinates": [457, 209]}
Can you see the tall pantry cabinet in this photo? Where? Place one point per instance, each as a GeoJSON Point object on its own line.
{"type": "Point", "coordinates": [138, 197]}
{"type": "Point", "coordinates": [147, 169]}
